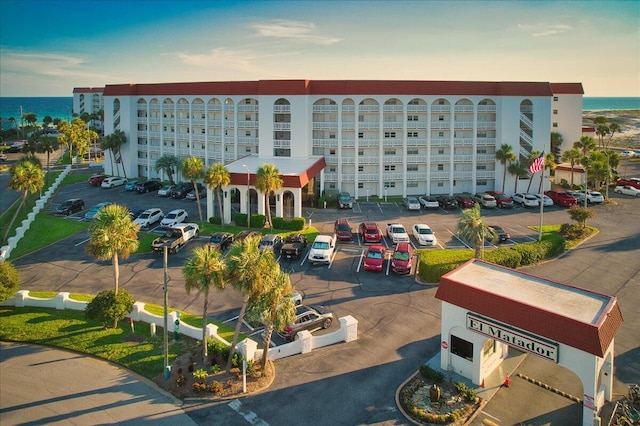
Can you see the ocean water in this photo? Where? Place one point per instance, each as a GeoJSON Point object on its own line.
{"type": "Point", "coordinates": [62, 107]}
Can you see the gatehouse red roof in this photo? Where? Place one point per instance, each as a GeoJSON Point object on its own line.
{"type": "Point", "coordinates": [577, 317]}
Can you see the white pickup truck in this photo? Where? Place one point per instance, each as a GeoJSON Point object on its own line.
{"type": "Point", "coordinates": [322, 249]}
{"type": "Point", "coordinates": [397, 233]}
{"type": "Point", "coordinates": [176, 237]}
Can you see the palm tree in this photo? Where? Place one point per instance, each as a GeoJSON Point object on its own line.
{"type": "Point", "coordinates": [572, 156]}
{"type": "Point", "coordinates": [26, 175]}
{"type": "Point", "coordinates": [12, 121]}
{"type": "Point", "coordinates": [505, 156]}
{"type": "Point", "coordinates": [550, 164]}
{"type": "Point", "coordinates": [113, 235]}
{"type": "Point", "coordinates": [614, 160]}
{"type": "Point", "coordinates": [31, 118]}
{"type": "Point", "coordinates": [193, 169]}
{"type": "Point", "coordinates": [268, 180]}
{"type": "Point", "coordinates": [216, 177]}
{"type": "Point", "coordinates": [556, 145]}
{"type": "Point", "coordinates": [48, 144]}
{"type": "Point", "coordinates": [204, 270]}
{"type": "Point", "coordinates": [168, 163]}
{"type": "Point", "coordinates": [519, 171]}
{"type": "Point", "coordinates": [275, 308]}
{"type": "Point", "coordinates": [471, 228]}
{"type": "Point", "coordinates": [118, 138]}
{"type": "Point", "coordinates": [602, 131]}
{"type": "Point", "coordinates": [586, 144]}
{"type": "Point", "coordinates": [248, 270]}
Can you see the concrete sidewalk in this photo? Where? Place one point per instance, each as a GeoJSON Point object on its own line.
{"type": "Point", "coordinates": [43, 385]}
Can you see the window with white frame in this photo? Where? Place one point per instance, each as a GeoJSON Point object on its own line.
{"type": "Point", "coordinates": [555, 99]}
{"type": "Point", "coordinates": [555, 112]}
{"type": "Point", "coordinates": [389, 134]}
{"type": "Point", "coordinates": [332, 152]}
{"type": "Point", "coordinates": [441, 118]}
{"type": "Point", "coordinates": [361, 118]}
{"type": "Point", "coordinates": [440, 134]}
{"type": "Point", "coordinates": [332, 185]}
{"type": "Point", "coordinates": [360, 135]}
{"type": "Point", "coordinates": [412, 184]}
{"type": "Point", "coordinates": [412, 118]}
{"type": "Point", "coordinates": [440, 167]}
{"type": "Point", "coordinates": [332, 169]}
{"type": "Point", "coordinates": [361, 152]}
{"type": "Point", "coordinates": [360, 185]}
{"type": "Point", "coordinates": [412, 134]}
{"type": "Point", "coordinates": [391, 184]}
{"type": "Point", "coordinates": [246, 133]}
{"type": "Point", "coordinates": [412, 167]}
{"type": "Point", "coordinates": [481, 167]}
{"type": "Point", "coordinates": [481, 182]}
{"type": "Point", "coordinates": [389, 152]}
{"type": "Point", "coordinates": [440, 184]}
{"type": "Point", "coordinates": [440, 150]}
{"type": "Point", "coordinates": [361, 168]}
{"type": "Point", "coordinates": [555, 124]}
{"type": "Point", "coordinates": [412, 151]}
{"type": "Point", "coordinates": [390, 168]}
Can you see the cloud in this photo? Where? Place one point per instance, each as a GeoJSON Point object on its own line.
{"type": "Point", "coordinates": [45, 64]}
{"type": "Point", "coordinates": [544, 30]}
{"type": "Point", "coordinates": [292, 30]}
{"type": "Point", "coordinates": [220, 57]}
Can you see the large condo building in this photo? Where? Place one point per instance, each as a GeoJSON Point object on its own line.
{"type": "Point", "coordinates": [366, 137]}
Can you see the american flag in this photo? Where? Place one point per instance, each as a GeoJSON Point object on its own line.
{"type": "Point", "coordinates": [538, 164]}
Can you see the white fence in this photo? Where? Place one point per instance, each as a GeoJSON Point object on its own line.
{"type": "Point", "coordinates": [306, 342]}
{"type": "Point", "coordinates": [12, 242]}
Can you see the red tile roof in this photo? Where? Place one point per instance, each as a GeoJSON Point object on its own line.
{"type": "Point", "coordinates": [293, 180]}
{"type": "Point", "coordinates": [88, 89]}
{"type": "Point", "coordinates": [593, 336]}
{"type": "Point", "coordinates": [335, 87]}
{"type": "Point", "coordinates": [567, 88]}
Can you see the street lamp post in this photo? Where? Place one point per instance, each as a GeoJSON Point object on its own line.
{"type": "Point", "coordinates": [385, 194]}
{"type": "Point", "coordinates": [248, 196]}
{"type": "Point", "coordinates": [367, 195]}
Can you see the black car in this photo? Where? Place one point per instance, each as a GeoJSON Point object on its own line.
{"type": "Point", "coordinates": [447, 202]}
{"type": "Point", "coordinates": [221, 240]}
{"type": "Point", "coordinates": [181, 190]}
{"type": "Point", "coordinates": [147, 186]}
{"type": "Point", "coordinates": [246, 234]}
{"type": "Point", "coordinates": [70, 206]}
{"type": "Point", "coordinates": [503, 236]}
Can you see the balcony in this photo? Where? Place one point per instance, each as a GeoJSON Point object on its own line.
{"type": "Point", "coordinates": [281, 143]}
{"type": "Point", "coordinates": [368, 159]}
{"type": "Point", "coordinates": [486, 158]}
{"type": "Point", "coordinates": [485, 174]}
{"type": "Point", "coordinates": [416, 125]}
{"type": "Point", "coordinates": [254, 125]}
{"type": "Point", "coordinates": [463, 174]}
{"type": "Point", "coordinates": [331, 143]}
{"type": "Point", "coordinates": [440, 158]}
{"type": "Point", "coordinates": [348, 109]}
{"type": "Point", "coordinates": [440, 141]}
{"type": "Point", "coordinates": [441, 108]}
{"type": "Point", "coordinates": [417, 108]}
{"type": "Point", "coordinates": [392, 142]}
{"type": "Point", "coordinates": [416, 142]}
{"type": "Point", "coordinates": [365, 142]}
{"type": "Point", "coordinates": [325, 125]}
{"type": "Point", "coordinates": [325, 108]}
{"type": "Point", "coordinates": [282, 109]}
{"type": "Point", "coordinates": [463, 141]}
{"type": "Point", "coordinates": [214, 107]}
{"type": "Point", "coordinates": [486, 108]}
{"type": "Point", "coordinates": [486, 125]}
{"type": "Point", "coordinates": [368, 177]}
{"type": "Point", "coordinates": [348, 143]}
{"type": "Point", "coordinates": [368, 125]}
{"type": "Point", "coordinates": [441, 125]}
{"type": "Point", "coordinates": [348, 125]}
{"type": "Point", "coordinates": [393, 108]}
{"type": "Point", "coordinates": [439, 175]}
{"type": "Point", "coordinates": [331, 177]}
{"type": "Point", "coordinates": [463, 108]}
{"type": "Point", "coordinates": [331, 159]}
{"type": "Point", "coordinates": [393, 125]}
{"type": "Point", "coordinates": [463, 158]}
{"type": "Point", "coordinates": [248, 108]}
{"type": "Point", "coordinates": [346, 160]}
{"type": "Point", "coordinates": [413, 159]}
{"type": "Point", "coordinates": [247, 140]}
{"type": "Point", "coordinates": [368, 108]}
{"type": "Point", "coordinates": [386, 176]}
{"type": "Point", "coordinates": [417, 176]}
{"type": "Point", "coordinates": [486, 141]}
{"type": "Point", "coordinates": [463, 125]}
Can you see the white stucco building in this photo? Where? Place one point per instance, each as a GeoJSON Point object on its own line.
{"type": "Point", "coordinates": [486, 309]}
{"type": "Point", "coordinates": [399, 137]}
{"type": "Point", "coordinates": [89, 100]}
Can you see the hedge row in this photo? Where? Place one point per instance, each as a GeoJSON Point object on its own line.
{"type": "Point", "coordinates": [434, 265]}
{"type": "Point", "coordinates": [295, 224]}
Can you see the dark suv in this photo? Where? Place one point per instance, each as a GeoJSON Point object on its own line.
{"type": "Point", "coordinates": [148, 186]}
{"type": "Point", "coordinates": [342, 230]}
{"type": "Point", "coordinates": [181, 190]}
{"type": "Point", "coordinates": [70, 206]}
{"type": "Point", "coordinates": [309, 318]}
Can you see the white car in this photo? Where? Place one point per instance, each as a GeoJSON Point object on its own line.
{"type": "Point", "coordinates": [548, 202]}
{"type": "Point", "coordinates": [594, 197]}
{"type": "Point", "coordinates": [525, 200]}
{"type": "Point", "coordinates": [627, 190]}
{"type": "Point", "coordinates": [165, 191]}
{"type": "Point", "coordinates": [424, 235]}
{"type": "Point", "coordinates": [113, 181]}
{"type": "Point", "coordinates": [397, 233]}
{"type": "Point", "coordinates": [429, 202]}
{"type": "Point", "coordinates": [322, 249]}
{"type": "Point", "coordinates": [628, 153]}
{"type": "Point", "coordinates": [411, 203]}
{"type": "Point", "coordinates": [149, 217]}
{"type": "Point", "coordinates": [578, 195]}
{"type": "Point", "coordinates": [174, 217]}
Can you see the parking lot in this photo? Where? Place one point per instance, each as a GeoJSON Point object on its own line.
{"type": "Point", "coordinates": [398, 318]}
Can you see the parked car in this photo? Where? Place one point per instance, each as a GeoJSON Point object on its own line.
{"type": "Point", "coordinates": [370, 232]}
{"type": "Point", "coordinates": [310, 318]}
{"type": "Point", "coordinates": [221, 240]}
{"type": "Point", "coordinates": [175, 237]}
{"type": "Point", "coordinates": [322, 249]}
{"type": "Point", "coordinates": [202, 193]}
{"type": "Point", "coordinates": [70, 206]}
{"type": "Point", "coordinates": [464, 201]}
{"type": "Point", "coordinates": [293, 246]}
{"type": "Point", "coordinates": [411, 203]}
{"type": "Point", "coordinates": [502, 235]}
{"type": "Point", "coordinates": [342, 229]}
{"type": "Point", "coordinates": [627, 153]}
{"type": "Point", "coordinates": [96, 180]}
{"type": "Point", "coordinates": [402, 258]}
{"type": "Point", "coordinates": [547, 201]}
{"type": "Point", "coordinates": [149, 217]}
{"type": "Point", "coordinates": [243, 235]}
{"type": "Point", "coordinates": [627, 190]}
{"type": "Point", "coordinates": [113, 181]}
{"type": "Point", "coordinates": [447, 202]}
{"type": "Point", "coordinates": [429, 202]}
{"type": "Point", "coordinates": [397, 233]}
{"type": "Point", "coordinates": [147, 186]}
{"type": "Point", "coordinates": [165, 191]}
{"type": "Point", "coordinates": [374, 258]}
{"type": "Point", "coordinates": [561, 198]}
{"type": "Point", "coordinates": [181, 190]}
{"type": "Point", "coordinates": [271, 242]}
{"type": "Point", "coordinates": [174, 217]}
{"type": "Point", "coordinates": [424, 235]}
{"type": "Point", "coordinates": [580, 196]}
{"type": "Point", "coordinates": [135, 213]}
{"type": "Point", "coordinates": [485, 200]}
{"type": "Point", "coordinates": [345, 201]}
{"type": "Point", "coordinates": [93, 211]}
{"type": "Point", "coordinates": [502, 200]}
{"type": "Point", "coordinates": [629, 182]}
{"type": "Point", "coordinates": [525, 199]}
{"type": "Point", "coordinates": [130, 185]}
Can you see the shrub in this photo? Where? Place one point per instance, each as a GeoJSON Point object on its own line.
{"type": "Point", "coordinates": [572, 231]}
{"type": "Point", "coordinates": [431, 374]}
{"type": "Point", "coordinates": [258, 220]}
{"type": "Point", "coordinates": [294, 224]}
{"type": "Point", "coordinates": [580, 214]}
{"type": "Point", "coordinates": [240, 219]}
{"type": "Point", "coordinates": [215, 220]}
{"type": "Point", "coordinates": [200, 375]}
{"type": "Point", "coordinates": [215, 368]}
{"type": "Point", "coordinates": [181, 380]}
{"type": "Point", "coordinates": [108, 308]}
{"type": "Point", "coordinates": [504, 256]}
{"type": "Point", "coordinates": [215, 387]}
{"type": "Point", "coordinates": [278, 222]}
{"type": "Point", "coordinates": [9, 280]}
{"type": "Point", "coordinates": [564, 184]}
{"type": "Point", "coordinates": [432, 268]}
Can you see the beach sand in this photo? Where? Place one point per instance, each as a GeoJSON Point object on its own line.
{"type": "Point", "coordinates": [629, 121]}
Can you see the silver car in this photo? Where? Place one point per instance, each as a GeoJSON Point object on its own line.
{"type": "Point", "coordinates": [411, 203]}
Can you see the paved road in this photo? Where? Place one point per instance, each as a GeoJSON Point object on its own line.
{"type": "Point", "coordinates": [399, 320]}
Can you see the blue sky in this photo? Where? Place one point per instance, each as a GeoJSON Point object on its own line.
{"type": "Point", "coordinates": [48, 47]}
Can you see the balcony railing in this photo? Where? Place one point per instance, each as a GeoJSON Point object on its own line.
{"type": "Point", "coordinates": [282, 109]}
{"type": "Point", "coordinates": [463, 141]}
{"type": "Point", "coordinates": [463, 125]}
{"type": "Point", "coordinates": [416, 142]}
{"type": "Point", "coordinates": [325, 125]}
{"type": "Point", "coordinates": [253, 125]}
{"type": "Point", "coordinates": [325, 142]}
{"type": "Point", "coordinates": [248, 108]}
{"type": "Point", "coordinates": [281, 143]}
{"type": "Point", "coordinates": [325, 108]}
{"type": "Point", "coordinates": [440, 141]}
{"type": "Point", "coordinates": [416, 125]}
{"type": "Point", "coordinates": [440, 124]}
{"type": "Point", "coordinates": [392, 142]}
{"type": "Point", "coordinates": [413, 159]}
{"type": "Point", "coordinates": [368, 125]}
{"type": "Point", "coordinates": [417, 108]}
{"type": "Point", "coordinates": [440, 108]}
{"type": "Point", "coordinates": [463, 158]}
{"type": "Point", "coordinates": [392, 108]}
{"type": "Point", "coordinates": [463, 108]}
{"type": "Point", "coordinates": [486, 141]}
{"type": "Point", "coordinates": [393, 125]}
{"type": "Point", "coordinates": [368, 108]}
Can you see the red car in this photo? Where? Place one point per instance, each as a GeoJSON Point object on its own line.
{"type": "Point", "coordinates": [96, 180]}
{"type": "Point", "coordinates": [561, 198]}
{"type": "Point", "coordinates": [465, 201]}
{"type": "Point", "coordinates": [374, 258]}
{"type": "Point", "coordinates": [342, 229]}
{"type": "Point", "coordinates": [635, 182]}
{"type": "Point", "coordinates": [502, 199]}
{"type": "Point", "coordinates": [402, 258]}
{"type": "Point", "coordinates": [370, 232]}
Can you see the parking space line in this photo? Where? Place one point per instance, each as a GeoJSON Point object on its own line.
{"type": "Point", "coordinates": [360, 261]}
{"type": "Point", "coordinates": [82, 242]}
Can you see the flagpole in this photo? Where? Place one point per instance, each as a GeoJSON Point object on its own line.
{"type": "Point", "coordinates": [541, 207]}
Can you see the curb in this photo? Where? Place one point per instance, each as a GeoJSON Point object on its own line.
{"type": "Point", "coordinates": [549, 388]}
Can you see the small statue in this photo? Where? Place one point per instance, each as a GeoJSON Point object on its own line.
{"type": "Point", "coordinates": [434, 393]}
